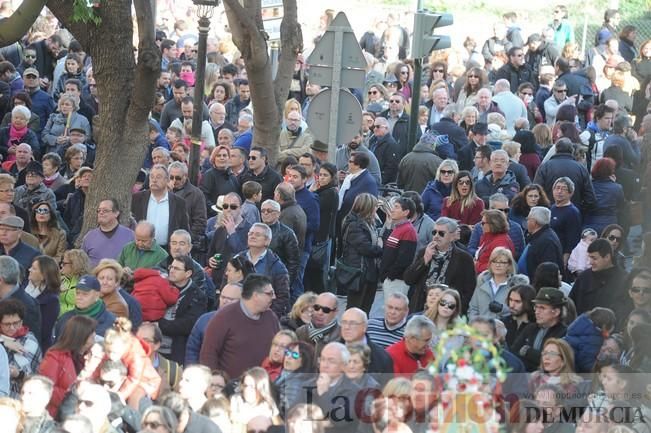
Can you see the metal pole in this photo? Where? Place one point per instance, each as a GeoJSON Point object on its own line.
{"type": "Point", "coordinates": [415, 102]}
{"type": "Point", "coordinates": [197, 114]}
{"type": "Point", "coordinates": [274, 57]}
{"type": "Point", "coordinates": [334, 96]}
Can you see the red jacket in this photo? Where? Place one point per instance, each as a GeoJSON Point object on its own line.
{"type": "Point", "coordinates": [487, 243]}
{"type": "Point", "coordinates": [469, 216]}
{"type": "Point", "coordinates": [60, 368]}
{"type": "Point", "coordinates": [404, 362]}
{"type": "Point", "coordinates": [154, 293]}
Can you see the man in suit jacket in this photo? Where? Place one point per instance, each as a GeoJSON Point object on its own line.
{"type": "Point", "coordinates": [165, 210]}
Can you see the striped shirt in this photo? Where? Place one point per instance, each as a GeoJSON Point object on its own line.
{"type": "Point", "coordinates": [383, 336]}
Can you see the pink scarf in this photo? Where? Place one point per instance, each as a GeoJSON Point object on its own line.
{"type": "Point", "coordinates": [16, 137]}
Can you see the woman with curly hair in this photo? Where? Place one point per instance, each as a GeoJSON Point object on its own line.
{"type": "Point", "coordinates": [532, 195]}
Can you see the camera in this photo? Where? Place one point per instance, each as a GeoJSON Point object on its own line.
{"type": "Point", "coordinates": [495, 307]}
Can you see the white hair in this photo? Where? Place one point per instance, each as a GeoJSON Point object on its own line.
{"type": "Point", "coordinates": [541, 215]}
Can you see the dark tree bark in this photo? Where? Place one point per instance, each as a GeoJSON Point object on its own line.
{"type": "Point", "coordinates": [268, 95]}
{"type": "Point", "coordinates": [126, 90]}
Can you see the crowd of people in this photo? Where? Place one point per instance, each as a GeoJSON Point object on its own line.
{"type": "Point", "coordinates": [504, 244]}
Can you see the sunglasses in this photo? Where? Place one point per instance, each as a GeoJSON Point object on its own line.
{"type": "Point", "coordinates": [448, 305]}
{"type": "Point", "coordinates": [252, 158]}
{"type": "Point", "coordinates": [448, 172]}
{"type": "Point", "coordinates": [614, 238]}
{"type": "Point", "coordinates": [464, 182]}
{"type": "Point", "coordinates": [326, 310]}
{"type": "Point", "coordinates": [176, 177]}
{"type": "Point", "coordinates": [473, 76]}
{"type": "Point", "coordinates": [268, 210]}
{"type": "Point", "coordinates": [292, 354]}
{"type": "Point", "coordinates": [230, 206]}
{"type": "Point", "coordinates": [645, 290]}
{"type": "Point", "coordinates": [440, 233]}
{"type": "Point", "coordinates": [42, 211]}
{"type": "Point", "coordinates": [372, 92]}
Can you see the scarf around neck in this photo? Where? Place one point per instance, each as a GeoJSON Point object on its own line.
{"type": "Point", "coordinates": [17, 134]}
{"type": "Point", "coordinates": [92, 311]}
{"type": "Point", "coordinates": [318, 334]}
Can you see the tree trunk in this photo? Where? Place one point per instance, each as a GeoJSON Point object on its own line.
{"type": "Point", "coordinates": [126, 93]}
{"type": "Point", "coordinates": [267, 94]}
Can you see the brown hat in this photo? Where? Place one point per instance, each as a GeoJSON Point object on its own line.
{"type": "Point", "coordinates": [319, 146]}
{"type": "Point", "coordinates": [31, 71]}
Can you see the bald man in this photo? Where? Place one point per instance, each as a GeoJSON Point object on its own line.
{"type": "Point", "coordinates": [353, 324]}
{"type": "Point", "coordinates": [323, 328]}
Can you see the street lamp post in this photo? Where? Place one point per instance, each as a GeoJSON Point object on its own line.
{"type": "Point", "coordinates": [205, 10]}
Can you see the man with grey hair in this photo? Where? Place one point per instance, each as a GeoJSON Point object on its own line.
{"type": "Point", "coordinates": [420, 165]}
{"type": "Point", "coordinates": [437, 105]}
{"type": "Point", "coordinates": [266, 262]}
{"type": "Point", "coordinates": [386, 150]}
{"type": "Point", "coordinates": [194, 200]}
{"type": "Point", "coordinates": [447, 126]}
{"type": "Point", "coordinates": [283, 240]}
{"type": "Point", "coordinates": [499, 201]}
{"type": "Point", "coordinates": [291, 214]}
{"type": "Point", "coordinates": [498, 179]}
{"type": "Point", "coordinates": [181, 245]}
{"type": "Point", "coordinates": [544, 245]}
{"type": "Point", "coordinates": [511, 105]}
{"type": "Point", "coordinates": [354, 324]}
{"type": "Point", "coordinates": [413, 353]}
{"type": "Point", "coordinates": [10, 289]}
{"type": "Point", "coordinates": [485, 105]}
{"type": "Point", "coordinates": [566, 218]}
{"type": "Point", "coordinates": [621, 126]}
{"type": "Point", "coordinates": [334, 389]}
{"type": "Point", "coordinates": [217, 119]}
{"type": "Point", "coordinates": [441, 262]}
{"type": "Point", "coordinates": [244, 134]}
{"type": "Point", "coordinates": [387, 330]}
{"type": "Point", "coordinates": [165, 210]}
{"type": "Point", "coordinates": [160, 155]}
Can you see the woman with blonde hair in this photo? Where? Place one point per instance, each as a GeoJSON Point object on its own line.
{"type": "Point", "coordinates": [556, 367]}
{"type": "Point", "coordinates": [475, 79]}
{"type": "Point", "coordinates": [377, 94]}
{"type": "Point", "coordinates": [543, 135]}
{"type": "Point", "coordinates": [438, 189]}
{"type": "Point", "coordinates": [109, 274]}
{"type": "Point", "coordinates": [211, 77]}
{"type": "Point", "coordinates": [360, 248]}
{"type": "Point", "coordinates": [253, 399]}
{"type": "Point", "coordinates": [463, 204]}
{"type": "Point", "coordinates": [74, 264]}
{"type": "Point", "coordinates": [489, 298]}
{"type": "Point", "coordinates": [469, 116]}
{"type": "Point", "coordinates": [301, 313]}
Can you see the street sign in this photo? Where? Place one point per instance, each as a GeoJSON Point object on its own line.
{"type": "Point", "coordinates": [337, 62]}
{"type": "Point", "coordinates": [348, 114]}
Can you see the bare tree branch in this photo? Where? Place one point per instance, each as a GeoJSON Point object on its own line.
{"type": "Point", "coordinates": [18, 24]}
{"type": "Point", "coordinates": [148, 60]}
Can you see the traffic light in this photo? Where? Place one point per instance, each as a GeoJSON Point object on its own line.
{"type": "Point", "coordinates": [424, 41]}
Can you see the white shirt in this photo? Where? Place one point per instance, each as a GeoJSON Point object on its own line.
{"type": "Point", "coordinates": [158, 213]}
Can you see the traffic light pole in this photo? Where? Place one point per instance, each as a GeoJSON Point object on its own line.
{"type": "Point", "coordinates": [415, 101]}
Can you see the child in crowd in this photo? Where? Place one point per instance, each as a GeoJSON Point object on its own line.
{"type": "Point", "coordinates": [586, 336]}
{"type": "Point", "coordinates": [578, 261]}
{"type": "Point", "coordinates": [252, 192]}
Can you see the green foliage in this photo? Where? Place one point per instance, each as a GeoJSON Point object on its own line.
{"type": "Point", "coordinates": [85, 12]}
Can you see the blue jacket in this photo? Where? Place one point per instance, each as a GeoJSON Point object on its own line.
{"type": "Point", "coordinates": [29, 138]}
{"type": "Point", "coordinates": [244, 140]}
{"type": "Point", "coordinates": [43, 105]}
{"type": "Point", "coordinates": [271, 266]}
{"type": "Point", "coordinates": [586, 340]}
{"type": "Point", "coordinates": [310, 204]}
{"type": "Point", "coordinates": [433, 196]}
{"type": "Point", "coordinates": [610, 204]}
{"type": "Point", "coordinates": [195, 339]}
{"type": "Point", "coordinates": [160, 141]}
{"type": "Point", "coordinates": [507, 185]}
{"type": "Point", "coordinates": [365, 182]}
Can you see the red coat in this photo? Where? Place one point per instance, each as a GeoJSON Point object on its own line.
{"type": "Point", "coordinates": [487, 243]}
{"type": "Point", "coordinates": [531, 161]}
{"type": "Point", "coordinates": [470, 216]}
{"type": "Point", "coordinates": [154, 293]}
{"type": "Point", "coordinates": [404, 362]}
{"type": "Point", "coordinates": [60, 368]}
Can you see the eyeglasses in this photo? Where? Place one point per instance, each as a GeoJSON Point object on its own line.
{"type": "Point", "coordinates": [152, 425]}
{"type": "Point", "coordinates": [448, 305]}
{"type": "Point", "coordinates": [102, 211]}
{"type": "Point", "coordinates": [326, 310]}
{"type": "Point", "coordinates": [447, 172]}
{"type": "Point", "coordinates": [252, 158]}
{"type": "Point", "coordinates": [16, 324]}
{"type": "Point", "coordinates": [440, 233]}
{"type": "Point", "coordinates": [505, 210]}
{"type": "Point", "coordinates": [464, 182]}
{"type": "Point", "coordinates": [550, 353]}
{"type": "Point", "coordinates": [292, 354]}
{"type": "Point", "coordinates": [42, 211]}
{"type": "Point", "coordinates": [637, 290]}
{"type": "Point", "coordinates": [232, 206]}
{"type": "Point", "coordinates": [614, 238]}
{"type": "Point", "coordinates": [268, 211]}
{"type": "Point", "coordinates": [176, 177]}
